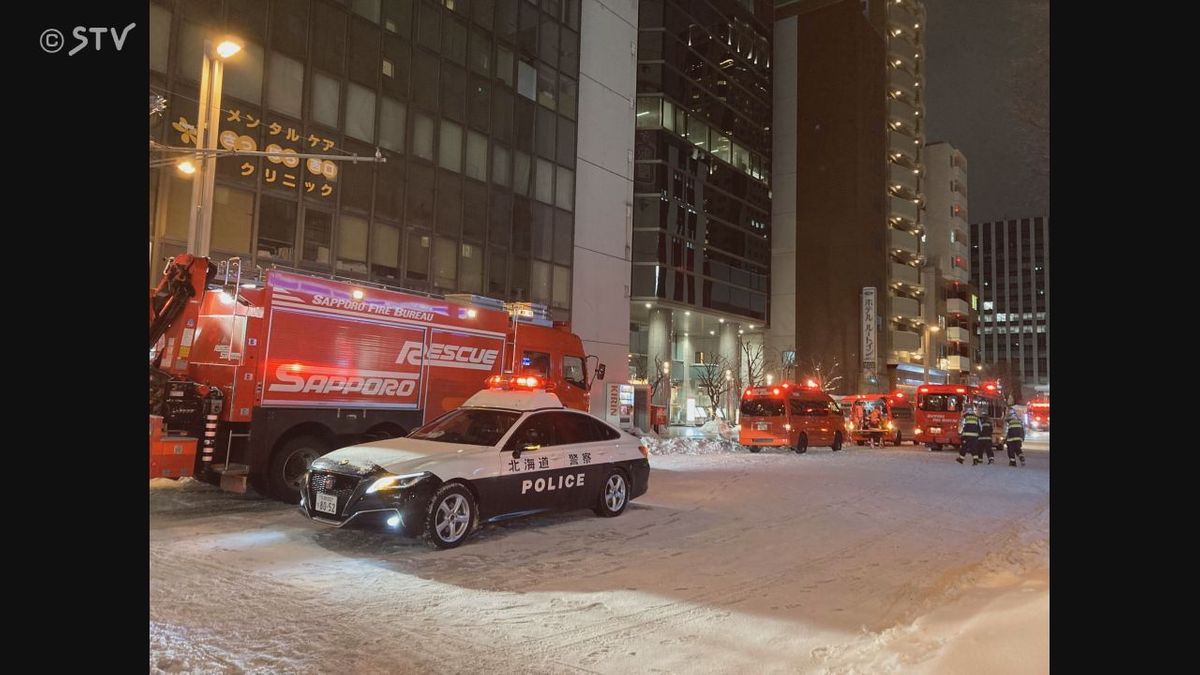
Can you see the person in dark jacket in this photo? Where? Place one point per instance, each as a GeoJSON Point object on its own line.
{"type": "Point", "coordinates": [985, 437]}
{"type": "Point", "coordinates": [968, 434]}
{"type": "Point", "coordinates": [1014, 434]}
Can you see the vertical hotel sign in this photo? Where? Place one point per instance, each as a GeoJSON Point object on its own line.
{"type": "Point", "coordinates": [869, 339]}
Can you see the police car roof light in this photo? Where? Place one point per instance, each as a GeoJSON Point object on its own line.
{"type": "Point", "coordinates": [528, 382]}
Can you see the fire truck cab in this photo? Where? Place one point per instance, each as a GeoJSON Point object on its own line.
{"type": "Point", "coordinates": [273, 373]}
{"type": "Point", "coordinates": [1037, 413]}
{"type": "Point", "coordinates": [790, 415]}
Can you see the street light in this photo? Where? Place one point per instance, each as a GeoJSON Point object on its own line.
{"type": "Point", "coordinates": [929, 331]}
{"type": "Point", "coordinates": [208, 121]}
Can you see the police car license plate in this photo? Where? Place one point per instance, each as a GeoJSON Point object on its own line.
{"type": "Point", "coordinates": [761, 426]}
{"type": "Point", "coordinates": [935, 430]}
{"type": "Point", "coordinates": [326, 503]}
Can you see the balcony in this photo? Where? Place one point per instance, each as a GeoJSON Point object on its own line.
{"type": "Point", "coordinates": [956, 306]}
{"type": "Point", "coordinates": [903, 208]}
{"type": "Point", "coordinates": [957, 274]}
{"type": "Point", "coordinates": [902, 176]}
{"type": "Point", "coordinates": [905, 341]}
{"type": "Point", "coordinates": [905, 308]}
{"type": "Point", "coordinates": [958, 363]}
{"type": "Point", "coordinates": [902, 111]}
{"type": "Point", "coordinates": [959, 247]}
{"type": "Point", "coordinates": [905, 144]}
{"type": "Point", "coordinates": [903, 60]}
{"type": "Point", "coordinates": [906, 274]}
{"type": "Point", "coordinates": [907, 13]}
{"type": "Point", "coordinates": [899, 240]}
{"type": "Point", "coordinates": [956, 334]}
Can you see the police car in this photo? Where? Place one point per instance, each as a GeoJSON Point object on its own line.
{"type": "Point", "coordinates": [510, 450]}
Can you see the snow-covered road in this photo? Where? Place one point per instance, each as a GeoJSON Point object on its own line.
{"type": "Point", "coordinates": [859, 561]}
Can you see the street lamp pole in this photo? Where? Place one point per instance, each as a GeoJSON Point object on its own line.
{"type": "Point", "coordinates": [208, 121]}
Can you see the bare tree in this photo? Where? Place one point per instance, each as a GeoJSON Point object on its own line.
{"type": "Point", "coordinates": [827, 379]}
{"type": "Point", "coordinates": [1008, 374]}
{"type": "Point", "coordinates": [657, 378]}
{"type": "Point", "coordinates": [755, 362]}
{"type": "Point", "coordinates": [713, 381]}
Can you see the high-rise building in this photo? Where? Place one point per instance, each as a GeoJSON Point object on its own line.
{"type": "Point", "coordinates": [702, 186]}
{"type": "Point", "coordinates": [849, 138]}
{"type": "Point", "coordinates": [949, 296]}
{"type": "Point", "coordinates": [1010, 265]}
{"type": "Point", "coordinates": [477, 108]}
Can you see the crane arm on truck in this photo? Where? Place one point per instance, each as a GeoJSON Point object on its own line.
{"type": "Point", "coordinates": [184, 277]}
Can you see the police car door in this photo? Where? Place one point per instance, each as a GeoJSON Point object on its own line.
{"type": "Point", "coordinates": [534, 480]}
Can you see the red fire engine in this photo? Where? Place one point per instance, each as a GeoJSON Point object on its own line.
{"type": "Point", "coordinates": [1037, 413]}
{"type": "Point", "coordinates": [271, 376]}
{"type": "Point", "coordinates": [940, 407]}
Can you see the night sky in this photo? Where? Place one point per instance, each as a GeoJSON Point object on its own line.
{"type": "Point", "coordinates": [986, 74]}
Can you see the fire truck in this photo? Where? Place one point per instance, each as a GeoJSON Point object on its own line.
{"type": "Point", "coordinates": [271, 374]}
{"type": "Point", "coordinates": [940, 407]}
{"type": "Point", "coordinates": [1037, 413]}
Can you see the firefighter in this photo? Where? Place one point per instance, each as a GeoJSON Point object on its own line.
{"type": "Point", "coordinates": [1013, 436]}
{"type": "Point", "coordinates": [876, 426]}
{"type": "Point", "coordinates": [968, 433]}
{"type": "Point", "coordinates": [985, 437]}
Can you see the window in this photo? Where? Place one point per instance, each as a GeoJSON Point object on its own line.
{"type": "Point", "coordinates": [500, 218]}
{"type": "Point", "coordinates": [562, 287]}
{"type": "Point", "coordinates": [454, 40]}
{"type": "Point", "coordinates": [420, 195]}
{"type": "Point", "coordinates": [479, 104]}
{"type": "Point", "coordinates": [566, 142]}
{"type": "Point", "coordinates": [445, 263]}
{"type": "Point", "coordinates": [398, 17]}
{"type": "Point", "coordinates": [481, 53]}
{"type": "Point", "coordinates": [504, 64]}
{"type": "Point", "coordinates": [398, 59]}
{"type": "Point", "coordinates": [360, 112]}
{"type": "Point", "coordinates": [564, 226]}
{"type": "Point", "coordinates": [538, 429]}
{"type": "Point", "coordinates": [449, 209]}
{"type": "Point", "coordinates": [389, 197]}
{"type": "Point", "coordinates": [469, 427]}
{"type": "Point", "coordinates": [536, 362]}
{"type": "Point", "coordinates": [497, 273]}
{"type": "Point", "coordinates": [649, 113]}
{"type": "Point", "coordinates": [545, 133]}
{"type": "Point", "coordinates": [545, 181]}
{"type": "Point", "coordinates": [425, 80]}
{"type": "Point", "coordinates": [454, 92]}
{"type": "Point", "coordinates": [605, 432]}
{"type": "Point", "coordinates": [568, 94]}
{"type": "Point", "coordinates": [277, 228]}
{"type": "Point", "coordinates": [471, 269]}
{"type": "Point", "coordinates": [417, 258]}
{"type": "Point", "coordinates": [526, 80]}
{"type": "Point", "coordinates": [160, 37]}
{"type": "Point", "coordinates": [476, 156]}
{"type": "Point", "coordinates": [285, 85]}
{"type": "Point", "coordinates": [318, 230]}
{"type": "Point", "coordinates": [574, 428]}
{"type": "Point", "coordinates": [233, 213]}
{"type": "Point", "coordinates": [325, 100]}
{"type": "Point", "coordinates": [547, 88]}
{"type": "Point", "coordinates": [385, 250]}
{"type": "Point", "coordinates": [352, 244]}
{"type": "Point", "coordinates": [423, 136]}
{"type": "Point", "coordinates": [428, 33]}
{"type": "Point", "coordinates": [565, 189]}
{"type": "Point", "coordinates": [368, 9]}
{"type": "Point", "coordinates": [364, 52]}
{"type": "Point", "coordinates": [475, 212]}
{"type": "Point", "coordinates": [450, 148]}
{"type": "Point", "coordinates": [391, 125]}
{"type": "Point", "coordinates": [521, 173]}
{"type": "Point", "coordinates": [500, 175]}
{"type": "Point", "coordinates": [243, 75]}
{"type": "Point", "coordinates": [328, 37]}
{"type": "Point", "coordinates": [540, 284]}
{"type": "Point", "coordinates": [502, 115]}
{"type": "Point", "coordinates": [697, 133]}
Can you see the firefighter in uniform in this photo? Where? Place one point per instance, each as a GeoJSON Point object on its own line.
{"type": "Point", "coordinates": [985, 437]}
{"type": "Point", "coordinates": [968, 433]}
{"type": "Point", "coordinates": [1013, 436]}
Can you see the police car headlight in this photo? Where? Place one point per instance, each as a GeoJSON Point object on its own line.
{"type": "Point", "coordinates": [397, 482]}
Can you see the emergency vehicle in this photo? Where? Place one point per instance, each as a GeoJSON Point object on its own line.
{"type": "Point", "coordinates": [792, 416]}
{"type": "Point", "coordinates": [1037, 413]}
{"type": "Point", "coordinates": [510, 450]}
{"type": "Point", "coordinates": [940, 406]}
{"type": "Point", "coordinates": [897, 417]}
{"type": "Point", "coordinates": [272, 375]}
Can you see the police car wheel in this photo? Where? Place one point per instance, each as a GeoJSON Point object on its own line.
{"type": "Point", "coordinates": [837, 442]}
{"type": "Point", "coordinates": [450, 516]}
{"type": "Point", "coordinates": [614, 495]}
{"type": "Point", "coordinates": [802, 444]}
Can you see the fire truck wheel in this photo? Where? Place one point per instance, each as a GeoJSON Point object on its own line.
{"type": "Point", "coordinates": [289, 463]}
{"type": "Point", "coordinates": [753, 448]}
{"type": "Point", "coordinates": [899, 439]}
{"type": "Point", "coordinates": [936, 447]}
{"type": "Point", "coordinates": [614, 496]}
{"type": "Point", "coordinates": [450, 517]}
{"type": "Point", "coordinates": [802, 444]}
{"type": "Point", "coordinates": [837, 441]}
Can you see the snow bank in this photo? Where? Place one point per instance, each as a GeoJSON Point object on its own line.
{"type": "Point", "coordinates": [691, 446]}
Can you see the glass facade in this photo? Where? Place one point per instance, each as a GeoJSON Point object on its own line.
{"type": "Point", "coordinates": [473, 104]}
{"type": "Point", "coordinates": [701, 215]}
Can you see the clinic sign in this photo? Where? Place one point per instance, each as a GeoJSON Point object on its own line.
{"type": "Point", "coordinates": [870, 341]}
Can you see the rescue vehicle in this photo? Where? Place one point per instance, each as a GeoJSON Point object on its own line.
{"type": "Point", "coordinates": [897, 419]}
{"type": "Point", "coordinates": [275, 372]}
{"type": "Point", "coordinates": [792, 416]}
{"type": "Point", "coordinates": [940, 406]}
{"type": "Point", "coordinates": [510, 450]}
{"type": "Point", "coordinates": [1037, 413]}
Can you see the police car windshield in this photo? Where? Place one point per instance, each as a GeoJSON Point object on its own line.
{"type": "Point", "coordinates": [942, 402]}
{"type": "Point", "coordinates": [474, 426]}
